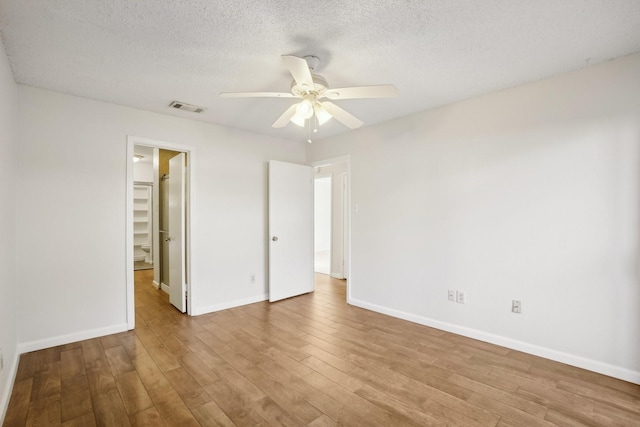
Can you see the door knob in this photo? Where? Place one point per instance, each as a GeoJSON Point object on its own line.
{"type": "Point", "coordinates": [274, 238]}
{"type": "Point", "coordinates": [168, 239]}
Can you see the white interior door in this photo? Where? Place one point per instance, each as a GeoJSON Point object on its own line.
{"type": "Point", "coordinates": [177, 190]}
{"type": "Point", "coordinates": [290, 230]}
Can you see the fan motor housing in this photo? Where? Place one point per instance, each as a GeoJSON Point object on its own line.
{"type": "Point", "coordinates": [320, 86]}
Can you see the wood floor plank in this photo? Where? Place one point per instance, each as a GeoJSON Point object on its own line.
{"type": "Point", "coordinates": [86, 420]}
{"type": "Point", "coordinates": [210, 415]}
{"type": "Point", "coordinates": [322, 421]}
{"type": "Point", "coordinates": [75, 397]}
{"type": "Point", "coordinates": [150, 417]}
{"type": "Point", "coordinates": [298, 407]}
{"type": "Point", "coordinates": [171, 407]}
{"type": "Point", "coordinates": [110, 341]}
{"type": "Point", "coordinates": [134, 394]}
{"type": "Point", "coordinates": [109, 410]}
{"type": "Point", "coordinates": [570, 417]}
{"type": "Point", "coordinates": [439, 401]}
{"type": "Point", "coordinates": [191, 393]}
{"type": "Point", "coordinates": [118, 359]}
{"type": "Point", "coordinates": [71, 363]}
{"type": "Point", "coordinates": [27, 366]}
{"type": "Point", "coordinates": [45, 411]}
{"type": "Point", "coordinates": [610, 397]}
{"type": "Point", "coordinates": [148, 338]}
{"type": "Point", "coordinates": [75, 405]}
{"type": "Point", "coordinates": [163, 358]}
{"type": "Point", "coordinates": [275, 414]}
{"type": "Point", "coordinates": [195, 366]}
{"type": "Point", "coordinates": [100, 377]}
{"type": "Point", "coordinates": [498, 395]}
{"type": "Point", "coordinates": [19, 403]}
{"type": "Point", "coordinates": [173, 344]}
{"type": "Point", "coordinates": [134, 347]}
{"type": "Point", "coordinates": [92, 350]}
{"type": "Point", "coordinates": [310, 360]}
{"type": "Point", "coordinates": [46, 382]}
{"type": "Point", "coordinates": [370, 413]}
{"type": "Point", "coordinates": [149, 372]}
{"type": "Point", "coordinates": [46, 357]}
{"type": "Point", "coordinates": [237, 407]}
{"type": "Point", "coordinates": [398, 408]}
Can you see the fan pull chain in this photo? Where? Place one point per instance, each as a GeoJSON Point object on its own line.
{"type": "Point", "coordinates": [309, 129]}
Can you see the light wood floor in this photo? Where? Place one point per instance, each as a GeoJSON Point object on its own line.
{"type": "Point", "coordinates": [310, 360]}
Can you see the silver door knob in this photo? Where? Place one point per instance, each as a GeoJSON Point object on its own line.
{"type": "Point", "coordinates": [168, 239]}
{"type": "Point", "coordinates": [274, 238]}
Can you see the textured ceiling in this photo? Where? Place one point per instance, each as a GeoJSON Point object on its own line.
{"type": "Point", "coordinates": [146, 53]}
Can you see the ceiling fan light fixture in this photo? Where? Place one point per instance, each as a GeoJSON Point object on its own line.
{"type": "Point", "coordinates": [297, 120]}
{"type": "Point", "coordinates": [305, 109]}
{"type": "Point", "coordinates": [322, 114]}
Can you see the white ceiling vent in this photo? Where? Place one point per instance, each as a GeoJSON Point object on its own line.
{"type": "Point", "coordinates": [186, 107]}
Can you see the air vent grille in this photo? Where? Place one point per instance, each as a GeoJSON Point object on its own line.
{"type": "Point", "coordinates": [186, 107]}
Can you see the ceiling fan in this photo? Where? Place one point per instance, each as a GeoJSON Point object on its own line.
{"type": "Point", "coordinates": [311, 89]}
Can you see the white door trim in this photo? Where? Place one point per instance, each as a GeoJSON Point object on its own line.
{"type": "Point", "coordinates": [190, 151]}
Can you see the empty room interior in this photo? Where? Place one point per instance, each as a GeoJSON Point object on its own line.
{"type": "Point", "coordinates": [320, 213]}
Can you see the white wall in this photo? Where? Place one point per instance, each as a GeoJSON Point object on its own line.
{"type": "Point", "coordinates": [530, 193]}
{"type": "Point", "coordinates": [322, 214]}
{"type": "Point", "coordinates": [143, 171]}
{"type": "Point", "coordinates": [8, 180]}
{"type": "Point", "coordinates": [71, 212]}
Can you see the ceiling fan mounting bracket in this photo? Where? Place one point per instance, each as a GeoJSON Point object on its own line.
{"type": "Point", "coordinates": [312, 61]}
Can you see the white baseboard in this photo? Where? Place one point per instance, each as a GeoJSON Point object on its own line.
{"type": "Point", "coordinates": [337, 276]}
{"type": "Point", "coordinates": [230, 304]}
{"type": "Point", "coordinates": [26, 347]}
{"type": "Point", "coordinates": [559, 356]}
{"type": "Point", "coordinates": [164, 287]}
{"type": "Point", "coordinates": [6, 393]}
{"type": "Point", "coordinates": [155, 284]}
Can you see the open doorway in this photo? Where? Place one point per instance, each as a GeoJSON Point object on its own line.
{"type": "Point", "coordinates": [322, 224]}
{"type": "Point", "coordinates": [158, 218]}
{"type": "Point", "coordinates": [144, 202]}
{"type": "Point", "coordinates": [332, 218]}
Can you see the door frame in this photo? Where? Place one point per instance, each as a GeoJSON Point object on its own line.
{"type": "Point", "coordinates": [330, 161]}
{"type": "Point", "coordinates": [190, 152]}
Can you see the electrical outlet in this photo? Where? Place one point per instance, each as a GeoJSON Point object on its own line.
{"type": "Point", "coordinates": [252, 278]}
{"type": "Point", "coordinates": [461, 297]}
{"type": "Point", "coordinates": [516, 306]}
{"type": "Point", "coordinates": [452, 295]}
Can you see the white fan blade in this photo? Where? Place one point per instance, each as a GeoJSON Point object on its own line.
{"type": "Point", "coordinates": [285, 117]}
{"type": "Point", "coordinates": [346, 118]}
{"type": "Point", "coordinates": [256, 95]}
{"type": "Point", "coordinates": [378, 91]}
{"type": "Point", "coordinates": [299, 69]}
